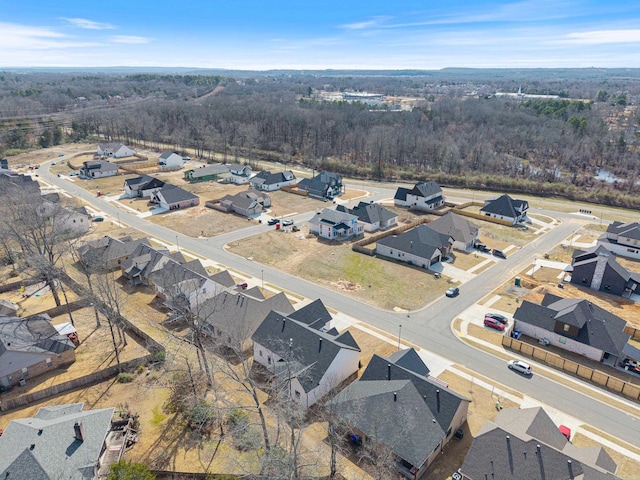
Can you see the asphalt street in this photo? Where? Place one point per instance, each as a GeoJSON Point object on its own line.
{"type": "Point", "coordinates": [429, 327]}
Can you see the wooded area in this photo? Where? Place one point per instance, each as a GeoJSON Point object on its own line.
{"type": "Point", "coordinates": [459, 132]}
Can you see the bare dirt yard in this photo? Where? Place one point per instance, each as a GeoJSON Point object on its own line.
{"type": "Point", "coordinates": [383, 283]}
{"type": "Point", "coordinates": [45, 154]}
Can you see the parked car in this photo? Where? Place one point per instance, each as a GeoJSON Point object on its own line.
{"type": "Point", "coordinates": [519, 367]}
{"type": "Point", "coordinates": [242, 286]}
{"type": "Point", "coordinates": [496, 316]}
{"type": "Point", "coordinates": [452, 292]}
{"type": "Point", "coordinates": [493, 323]}
{"type": "Point", "coordinates": [287, 223]}
{"type": "Point", "coordinates": [498, 253]}
{"type": "Point", "coordinates": [273, 221]}
{"type": "Point", "coordinates": [97, 219]}
{"type": "Point", "coordinates": [481, 246]}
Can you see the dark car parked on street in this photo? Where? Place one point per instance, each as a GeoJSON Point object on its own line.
{"type": "Point", "coordinates": [498, 253]}
{"type": "Point", "coordinates": [452, 292]}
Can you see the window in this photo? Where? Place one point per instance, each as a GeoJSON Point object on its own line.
{"type": "Point", "coordinates": [269, 360]}
{"type": "Point", "coordinates": [566, 327]}
{"type": "Point", "coordinates": [584, 281]}
{"type": "Point", "coordinates": [607, 287]}
{"type": "Point", "coordinates": [297, 393]}
{"type": "Point", "coordinates": [25, 372]}
{"type": "Point", "coordinates": [260, 352]}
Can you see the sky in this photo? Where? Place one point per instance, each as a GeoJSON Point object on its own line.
{"type": "Point", "coordinates": [323, 34]}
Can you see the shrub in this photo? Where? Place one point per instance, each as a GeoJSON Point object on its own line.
{"type": "Point", "coordinates": [125, 377]}
{"type": "Point", "coordinates": [160, 356]}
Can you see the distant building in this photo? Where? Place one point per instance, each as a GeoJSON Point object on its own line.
{"type": "Point", "coordinates": [114, 150]}
{"type": "Point", "coordinates": [170, 159]}
{"type": "Point", "coordinates": [372, 215]}
{"type": "Point", "coordinates": [323, 185]}
{"type": "Point", "coordinates": [335, 225]}
{"type": "Point", "coordinates": [506, 208]}
{"type": "Point", "coordinates": [171, 197]}
{"type": "Point", "coordinates": [270, 182]}
{"type": "Point", "coordinates": [622, 239]}
{"type": "Point", "coordinates": [208, 172]}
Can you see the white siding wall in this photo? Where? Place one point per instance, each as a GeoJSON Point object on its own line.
{"type": "Point", "coordinates": [404, 256]}
{"type": "Point", "coordinates": [344, 365]}
{"type": "Point", "coordinates": [622, 250]}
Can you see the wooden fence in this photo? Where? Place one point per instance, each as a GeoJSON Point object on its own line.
{"type": "Point", "coordinates": [594, 376]}
{"type": "Point", "coordinates": [478, 216]}
{"type": "Point", "coordinates": [396, 231]}
{"type": "Point", "coordinates": [83, 381]}
{"type": "Point", "coordinates": [168, 475]}
{"type": "Point", "coordinates": [7, 287]}
{"type": "Point", "coordinates": [295, 190]}
{"type": "Point", "coordinates": [634, 332]}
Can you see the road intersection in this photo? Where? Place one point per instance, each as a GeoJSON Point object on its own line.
{"type": "Point", "coordinates": [429, 328]}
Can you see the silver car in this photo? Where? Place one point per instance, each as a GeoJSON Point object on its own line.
{"type": "Point", "coordinates": [520, 367]}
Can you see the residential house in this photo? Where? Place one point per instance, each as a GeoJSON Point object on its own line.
{"type": "Point", "coordinates": [146, 260]}
{"type": "Point", "coordinates": [622, 239]}
{"type": "Point", "coordinates": [206, 172]}
{"type": "Point", "coordinates": [74, 220]}
{"type": "Point", "coordinates": [506, 208]}
{"type": "Point", "coordinates": [307, 362]}
{"type": "Point", "coordinates": [30, 347]}
{"type": "Point", "coordinates": [575, 325]}
{"type": "Point", "coordinates": [372, 216]}
{"type": "Point", "coordinates": [423, 196]}
{"type": "Point", "coordinates": [12, 183]}
{"type": "Point", "coordinates": [525, 443]}
{"type": "Point", "coordinates": [248, 203]}
{"type": "Point", "coordinates": [239, 174]}
{"type": "Point", "coordinates": [335, 225]}
{"type": "Point", "coordinates": [114, 150]}
{"type": "Point", "coordinates": [270, 182]}
{"type": "Point", "coordinates": [598, 269]}
{"type": "Point", "coordinates": [108, 252]}
{"type": "Point", "coordinates": [463, 232]}
{"type": "Point", "coordinates": [185, 287]}
{"type": "Point", "coordinates": [61, 441]}
{"type": "Point", "coordinates": [324, 185]}
{"type": "Point", "coordinates": [170, 160]}
{"type": "Point", "coordinates": [233, 317]}
{"type": "Point", "coordinates": [396, 404]}
{"type": "Point", "coordinates": [143, 186]}
{"type": "Point", "coordinates": [420, 246]}
{"type": "Point", "coordinates": [98, 169]}
{"type": "Point", "coordinates": [171, 197]}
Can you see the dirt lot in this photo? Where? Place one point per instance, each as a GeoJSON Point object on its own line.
{"type": "Point", "coordinates": [45, 154]}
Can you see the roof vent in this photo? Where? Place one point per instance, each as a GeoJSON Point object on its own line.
{"type": "Point", "coordinates": [33, 445]}
{"type": "Point", "coordinates": [78, 431]}
{"type": "Point", "coordinates": [388, 371]}
{"type": "Point", "coordinates": [395, 397]}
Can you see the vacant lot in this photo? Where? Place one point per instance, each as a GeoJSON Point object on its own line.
{"type": "Point", "coordinates": [383, 283]}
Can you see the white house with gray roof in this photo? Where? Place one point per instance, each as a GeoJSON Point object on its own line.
{"type": "Point", "coordinates": [622, 239]}
{"type": "Point", "coordinates": [506, 208]}
{"type": "Point", "coordinates": [423, 196]}
{"type": "Point", "coordinates": [270, 182]}
{"type": "Point", "coordinates": [172, 197]}
{"type": "Point", "coordinates": [60, 442]}
{"type": "Point", "coordinates": [420, 246]}
{"type": "Point", "coordinates": [98, 169]}
{"type": "Point", "coordinates": [170, 159]}
{"type": "Point", "coordinates": [373, 216]}
{"type": "Point", "coordinates": [114, 150]}
{"type": "Point", "coordinates": [307, 362]}
{"type": "Point", "coordinates": [335, 225]}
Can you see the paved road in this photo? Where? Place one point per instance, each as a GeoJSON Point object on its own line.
{"type": "Point", "coordinates": [428, 328]}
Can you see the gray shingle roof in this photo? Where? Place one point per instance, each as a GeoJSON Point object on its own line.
{"type": "Point", "coordinates": [401, 194]}
{"type": "Point", "coordinates": [421, 241]}
{"type": "Point", "coordinates": [526, 444]}
{"type": "Point", "coordinates": [313, 350]}
{"type": "Point", "coordinates": [315, 314]}
{"type": "Point", "coordinates": [504, 205]}
{"type": "Point", "coordinates": [597, 327]}
{"type": "Point", "coordinates": [267, 178]}
{"type": "Point", "coordinates": [320, 184]}
{"type": "Point", "coordinates": [175, 194]}
{"type": "Point", "coordinates": [370, 213]}
{"type": "Point", "coordinates": [456, 226]}
{"type": "Point", "coordinates": [630, 230]}
{"type": "Point", "coordinates": [406, 412]}
{"type": "Point", "coordinates": [426, 189]}
{"type": "Point", "coordinates": [44, 446]}
{"type": "Point", "coordinates": [332, 217]}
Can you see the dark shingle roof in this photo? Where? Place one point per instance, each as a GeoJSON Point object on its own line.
{"type": "Point", "coordinates": [401, 194]}
{"type": "Point", "coordinates": [525, 443]}
{"type": "Point", "coordinates": [314, 314]}
{"type": "Point", "coordinates": [174, 194]}
{"type": "Point", "coordinates": [44, 446]}
{"type": "Point", "coordinates": [421, 241]}
{"type": "Point", "coordinates": [406, 412]}
{"type": "Point", "coordinates": [332, 217]}
{"type": "Point", "coordinates": [630, 230]}
{"type": "Point", "coordinates": [597, 327]}
{"type": "Point", "coordinates": [312, 349]}
{"type": "Point", "coordinates": [426, 189]}
{"type": "Point", "coordinates": [267, 178]}
{"type": "Point", "coordinates": [504, 205]}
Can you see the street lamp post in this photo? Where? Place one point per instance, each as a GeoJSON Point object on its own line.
{"type": "Point", "coordinates": [177, 244]}
{"type": "Point", "coordinates": [399, 335]}
{"type": "Point", "coordinates": [262, 278]}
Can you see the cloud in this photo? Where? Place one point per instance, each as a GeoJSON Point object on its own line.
{"type": "Point", "coordinates": [88, 24]}
{"type": "Point", "coordinates": [599, 37]}
{"type": "Point", "coordinates": [130, 39]}
{"type": "Point", "coordinates": [373, 23]}
{"type": "Point", "coordinates": [17, 37]}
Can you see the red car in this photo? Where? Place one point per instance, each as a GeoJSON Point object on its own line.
{"type": "Point", "coordinates": [493, 323]}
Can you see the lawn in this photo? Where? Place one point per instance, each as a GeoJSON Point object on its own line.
{"type": "Point", "coordinates": [372, 280]}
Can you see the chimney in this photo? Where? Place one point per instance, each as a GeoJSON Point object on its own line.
{"type": "Point", "coordinates": [438, 400]}
{"type": "Point", "coordinates": [395, 397]}
{"type": "Point", "coordinates": [282, 325]}
{"type": "Point", "coordinates": [388, 371]}
{"type": "Point", "coordinates": [78, 431]}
